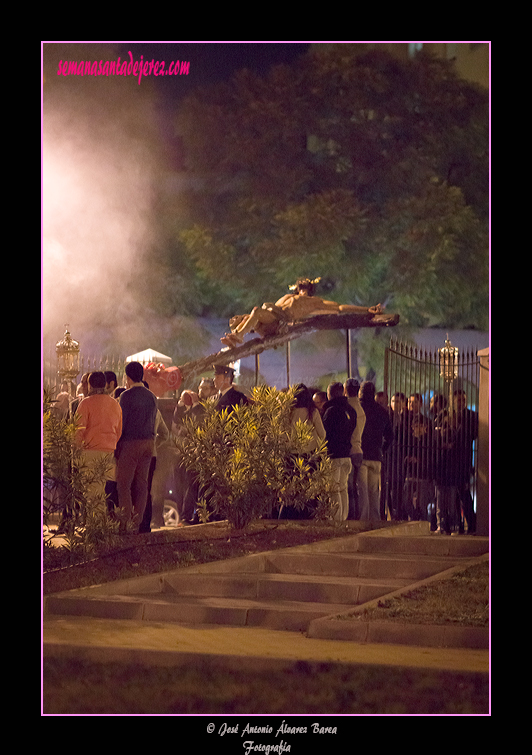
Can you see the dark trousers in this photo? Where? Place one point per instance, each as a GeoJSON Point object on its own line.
{"type": "Point", "coordinates": [187, 489]}
{"type": "Point", "coordinates": [111, 491]}
{"type": "Point", "coordinates": [132, 471]}
{"type": "Point", "coordinates": [466, 499]}
{"type": "Point", "coordinates": [145, 525]}
{"type": "Point", "coordinates": [352, 487]}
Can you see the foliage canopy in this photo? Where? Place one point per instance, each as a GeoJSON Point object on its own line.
{"type": "Point", "coordinates": [369, 172]}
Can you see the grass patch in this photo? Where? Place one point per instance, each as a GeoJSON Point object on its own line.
{"type": "Point", "coordinates": [462, 600]}
{"type": "Point", "coordinates": [80, 687]}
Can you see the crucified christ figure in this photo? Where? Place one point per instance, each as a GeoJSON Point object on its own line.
{"type": "Point", "coordinates": [267, 320]}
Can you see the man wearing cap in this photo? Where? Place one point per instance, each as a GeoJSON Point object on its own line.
{"type": "Point", "coordinates": [229, 396]}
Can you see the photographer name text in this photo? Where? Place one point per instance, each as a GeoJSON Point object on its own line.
{"type": "Point", "coordinates": [250, 746]}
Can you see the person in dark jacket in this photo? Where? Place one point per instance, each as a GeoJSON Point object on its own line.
{"type": "Point", "coordinates": [229, 396]}
{"type": "Point", "coordinates": [466, 434]}
{"type": "Point", "coordinates": [135, 448]}
{"type": "Point", "coordinates": [455, 435]}
{"type": "Point", "coordinates": [376, 439]}
{"type": "Point", "coordinates": [339, 420]}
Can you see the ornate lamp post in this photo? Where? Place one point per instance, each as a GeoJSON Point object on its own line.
{"type": "Point", "coordinates": [67, 350]}
{"type": "Point", "coordinates": [448, 356]}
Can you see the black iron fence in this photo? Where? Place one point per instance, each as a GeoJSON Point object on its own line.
{"type": "Point", "coordinates": [430, 470]}
{"type": "Point", "coordinates": [52, 381]}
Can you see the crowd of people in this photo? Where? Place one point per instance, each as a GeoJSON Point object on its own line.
{"type": "Point", "coordinates": [121, 425]}
{"type": "Point", "coordinates": [404, 464]}
{"type": "Point", "coordinates": [392, 461]}
{"type": "Point", "coordinates": [121, 429]}
{"type": "Point", "coordinates": [430, 468]}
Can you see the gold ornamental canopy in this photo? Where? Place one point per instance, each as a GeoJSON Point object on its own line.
{"type": "Point", "coordinates": [67, 350]}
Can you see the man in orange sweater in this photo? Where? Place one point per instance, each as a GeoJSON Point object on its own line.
{"type": "Point", "coordinates": [99, 429]}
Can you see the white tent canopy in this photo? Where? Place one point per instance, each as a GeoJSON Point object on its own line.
{"type": "Point", "coordinates": [149, 355]}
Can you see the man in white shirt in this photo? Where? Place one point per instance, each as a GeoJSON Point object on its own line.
{"type": "Point", "coordinates": [351, 389]}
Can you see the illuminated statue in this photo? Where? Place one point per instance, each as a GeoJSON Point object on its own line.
{"type": "Point", "coordinates": [270, 318]}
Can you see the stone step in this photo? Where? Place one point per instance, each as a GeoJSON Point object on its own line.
{"type": "Point", "coordinates": [274, 614]}
{"type": "Point", "coordinates": [303, 588]}
{"type": "Point", "coordinates": [427, 544]}
{"type": "Point", "coordinates": [285, 615]}
{"type": "Point", "coordinates": [430, 545]}
{"type": "Point", "coordinates": [286, 589]}
{"type": "Point", "coordinates": [356, 565]}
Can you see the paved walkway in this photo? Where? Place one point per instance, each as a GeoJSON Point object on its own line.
{"type": "Point", "coordinates": [172, 644]}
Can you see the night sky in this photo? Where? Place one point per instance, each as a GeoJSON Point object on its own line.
{"type": "Point", "coordinates": [209, 61]}
{"type": "Point", "coordinates": [216, 61]}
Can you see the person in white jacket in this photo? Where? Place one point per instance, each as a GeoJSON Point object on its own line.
{"type": "Point", "coordinates": [351, 389]}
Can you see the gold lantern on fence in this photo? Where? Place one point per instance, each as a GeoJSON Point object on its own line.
{"type": "Point", "coordinates": [448, 361]}
{"type": "Point", "coordinates": [448, 356]}
{"type": "Point", "coordinates": [67, 351]}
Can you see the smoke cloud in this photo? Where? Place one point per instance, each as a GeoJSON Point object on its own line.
{"type": "Point", "coordinates": [101, 161]}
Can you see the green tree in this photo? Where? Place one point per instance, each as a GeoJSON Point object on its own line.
{"type": "Point", "coordinates": [364, 170]}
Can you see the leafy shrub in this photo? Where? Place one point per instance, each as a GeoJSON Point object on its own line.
{"type": "Point", "coordinates": [249, 462]}
{"type": "Point", "coordinates": [69, 487]}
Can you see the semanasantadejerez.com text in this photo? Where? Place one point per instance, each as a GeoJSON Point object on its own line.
{"type": "Point", "coordinates": [125, 68]}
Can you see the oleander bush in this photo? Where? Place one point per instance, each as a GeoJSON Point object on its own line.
{"type": "Point", "coordinates": [250, 462]}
